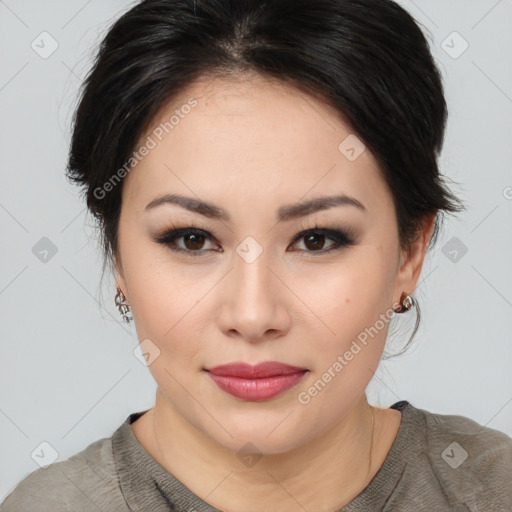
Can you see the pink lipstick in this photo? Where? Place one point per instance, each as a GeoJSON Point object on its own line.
{"type": "Point", "coordinates": [256, 383]}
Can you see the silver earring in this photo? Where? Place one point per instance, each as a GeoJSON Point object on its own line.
{"type": "Point", "coordinates": [406, 303]}
{"type": "Point", "coordinates": [123, 306]}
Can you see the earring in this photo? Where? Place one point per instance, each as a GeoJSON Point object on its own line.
{"type": "Point", "coordinates": [124, 307]}
{"type": "Point", "coordinates": [406, 303]}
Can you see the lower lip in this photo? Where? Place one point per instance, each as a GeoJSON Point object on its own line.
{"type": "Point", "coordinates": [257, 389]}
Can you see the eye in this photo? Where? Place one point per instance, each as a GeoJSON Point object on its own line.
{"type": "Point", "coordinates": [193, 240]}
{"type": "Point", "coordinates": [314, 239]}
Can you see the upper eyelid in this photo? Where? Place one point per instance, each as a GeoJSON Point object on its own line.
{"type": "Point", "coordinates": [186, 229]}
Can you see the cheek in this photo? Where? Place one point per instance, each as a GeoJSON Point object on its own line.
{"type": "Point", "coordinates": [352, 302]}
{"type": "Point", "coordinates": [355, 290]}
{"type": "Point", "coordinates": [355, 308]}
{"type": "Point", "coordinates": [160, 300]}
{"type": "Point", "coordinates": [158, 295]}
{"type": "Point", "coordinates": [165, 310]}
{"type": "Point", "coordinates": [166, 321]}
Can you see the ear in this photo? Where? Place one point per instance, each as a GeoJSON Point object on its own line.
{"type": "Point", "coordinates": [411, 262]}
{"type": "Point", "coordinates": [119, 276]}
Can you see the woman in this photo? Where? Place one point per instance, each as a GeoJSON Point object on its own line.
{"type": "Point", "coordinates": [265, 178]}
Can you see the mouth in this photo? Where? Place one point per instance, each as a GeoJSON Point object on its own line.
{"type": "Point", "coordinates": [256, 383]}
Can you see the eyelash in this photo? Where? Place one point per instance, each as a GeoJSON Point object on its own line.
{"type": "Point", "coordinates": [340, 236]}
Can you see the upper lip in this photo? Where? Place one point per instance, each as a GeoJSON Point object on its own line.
{"type": "Point", "coordinates": [245, 370]}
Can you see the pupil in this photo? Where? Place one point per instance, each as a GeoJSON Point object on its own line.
{"type": "Point", "coordinates": [195, 241]}
{"type": "Point", "coordinates": [310, 238]}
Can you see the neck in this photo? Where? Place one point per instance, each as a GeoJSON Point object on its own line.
{"type": "Point", "coordinates": [322, 475]}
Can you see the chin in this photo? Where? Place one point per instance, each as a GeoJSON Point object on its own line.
{"type": "Point", "coordinates": [269, 437]}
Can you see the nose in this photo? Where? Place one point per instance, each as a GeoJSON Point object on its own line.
{"type": "Point", "coordinates": [254, 302]}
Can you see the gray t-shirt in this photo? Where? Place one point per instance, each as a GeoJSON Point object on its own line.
{"type": "Point", "coordinates": [437, 463]}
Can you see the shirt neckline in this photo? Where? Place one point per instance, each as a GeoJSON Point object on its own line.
{"type": "Point", "coordinates": [146, 485]}
{"type": "Point", "coordinates": [404, 447]}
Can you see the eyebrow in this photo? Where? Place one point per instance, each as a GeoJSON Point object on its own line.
{"type": "Point", "coordinates": [285, 213]}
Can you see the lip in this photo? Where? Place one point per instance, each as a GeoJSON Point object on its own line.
{"type": "Point", "coordinates": [256, 383]}
{"type": "Point", "coordinates": [248, 371]}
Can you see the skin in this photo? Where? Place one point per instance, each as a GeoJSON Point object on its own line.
{"type": "Point", "coordinates": [251, 146]}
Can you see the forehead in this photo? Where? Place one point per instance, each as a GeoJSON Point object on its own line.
{"type": "Point", "coordinates": [251, 137]}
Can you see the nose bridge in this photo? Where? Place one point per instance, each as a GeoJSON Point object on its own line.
{"type": "Point", "coordinates": [252, 277]}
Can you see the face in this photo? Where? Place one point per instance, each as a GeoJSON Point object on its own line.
{"type": "Point", "coordinates": [256, 278]}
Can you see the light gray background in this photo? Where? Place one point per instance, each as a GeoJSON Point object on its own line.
{"type": "Point", "coordinates": [68, 375]}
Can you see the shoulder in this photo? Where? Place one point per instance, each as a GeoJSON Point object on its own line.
{"type": "Point", "coordinates": [465, 439]}
{"type": "Point", "coordinates": [472, 462]}
{"type": "Point", "coordinates": [85, 481]}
